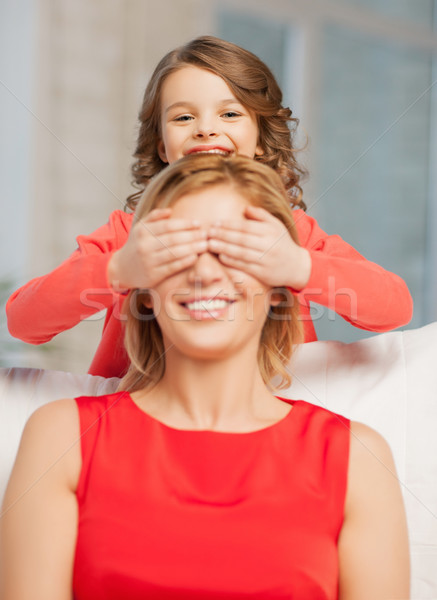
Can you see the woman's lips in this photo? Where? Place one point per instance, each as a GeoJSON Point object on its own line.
{"type": "Point", "coordinates": [208, 308]}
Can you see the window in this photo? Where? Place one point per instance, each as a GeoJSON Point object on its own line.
{"type": "Point", "coordinates": [365, 93]}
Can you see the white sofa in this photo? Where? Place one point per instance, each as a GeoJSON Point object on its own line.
{"type": "Point", "coordinates": [388, 381]}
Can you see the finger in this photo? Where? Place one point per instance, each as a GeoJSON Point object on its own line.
{"type": "Point", "coordinates": [242, 225]}
{"type": "Point", "coordinates": [249, 268]}
{"type": "Point", "coordinates": [257, 213]}
{"type": "Point", "coordinates": [166, 225]}
{"type": "Point", "coordinates": [158, 213]}
{"type": "Point", "coordinates": [238, 252]}
{"type": "Point", "coordinates": [185, 236]}
{"type": "Point", "coordinates": [174, 266]}
{"type": "Point", "coordinates": [237, 238]}
{"type": "Point", "coordinates": [252, 215]}
{"type": "Point", "coordinates": [168, 254]}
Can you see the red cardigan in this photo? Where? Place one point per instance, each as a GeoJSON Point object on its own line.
{"type": "Point", "coordinates": [362, 292]}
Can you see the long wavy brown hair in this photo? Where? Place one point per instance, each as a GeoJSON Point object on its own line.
{"type": "Point", "coordinates": [262, 187]}
{"type": "Point", "coordinates": [252, 83]}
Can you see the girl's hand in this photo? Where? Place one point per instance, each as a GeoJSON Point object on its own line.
{"type": "Point", "coordinates": [157, 247]}
{"type": "Point", "coordinates": [261, 246]}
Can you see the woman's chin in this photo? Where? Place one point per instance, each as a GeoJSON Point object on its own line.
{"type": "Point", "coordinates": [205, 352]}
{"type": "Point", "coordinates": [202, 347]}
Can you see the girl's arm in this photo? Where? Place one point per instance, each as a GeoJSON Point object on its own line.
{"type": "Point", "coordinates": [110, 260]}
{"type": "Point", "coordinates": [373, 543]}
{"type": "Point", "coordinates": [38, 522]}
{"type": "Point", "coordinates": [324, 269]}
{"type": "Point", "coordinates": [361, 291]}
{"type": "Point", "coordinates": [75, 290]}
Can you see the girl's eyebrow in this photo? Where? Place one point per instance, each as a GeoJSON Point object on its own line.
{"type": "Point", "coordinates": [180, 104]}
{"type": "Point", "coordinates": [229, 101]}
{"type": "Point", "coordinates": [186, 104]}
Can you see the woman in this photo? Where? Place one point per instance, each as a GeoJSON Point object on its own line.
{"type": "Point", "coordinates": [195, 480]}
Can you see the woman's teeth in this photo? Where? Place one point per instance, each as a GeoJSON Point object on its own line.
{"type": "Point", "coordinates": [213, 304]}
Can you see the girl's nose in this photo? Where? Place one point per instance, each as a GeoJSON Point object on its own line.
{"type": "Point", "coordinates": [206, 128]}
{"type": "Point", "coordinates": [206, 270]}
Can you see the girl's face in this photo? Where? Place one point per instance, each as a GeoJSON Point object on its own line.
{"type": "Point", "coordinates": [199, 113]}
{"type": "Point", "coordinates": [210, 311]}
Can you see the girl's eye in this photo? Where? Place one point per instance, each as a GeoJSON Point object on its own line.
{"type": "Point", "coordinates": [183, 118]}
{"type": "Point", "coordinates": [231, 113]}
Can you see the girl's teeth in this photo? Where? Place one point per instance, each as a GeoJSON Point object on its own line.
{"type": "Point", "coordinates": [214, 151]}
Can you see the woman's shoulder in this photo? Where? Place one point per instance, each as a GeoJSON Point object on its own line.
{"type": "Point", "coordinates": [371, 464]}
{"type": "Point", "coordinates": [58, 413]}
{"type": "Point", "coordinates": [317, 414]}
{"type": "Point", "coordinates": [367, 444]}
{"type": "Point", "coordinates": [101, 403]}
{"type": "Point", "coordinates": [55, 425]}
{"type": "Point", "coordinates": [50, 443]}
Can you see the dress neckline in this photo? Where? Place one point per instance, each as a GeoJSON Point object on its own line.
{"type": "Point", "coordinates": [205, 432]}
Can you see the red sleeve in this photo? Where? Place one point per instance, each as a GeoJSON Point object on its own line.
{"type": "Point", "coordinates": [76, 289]}
{"type": "Point", "coordinates": [362, 292]}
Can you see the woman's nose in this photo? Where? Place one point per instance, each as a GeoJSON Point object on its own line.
{"type": "Point", "coordinates": [206, 270]}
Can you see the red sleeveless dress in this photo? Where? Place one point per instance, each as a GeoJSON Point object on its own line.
{"type": "Point", "coordinates": [173, 514]}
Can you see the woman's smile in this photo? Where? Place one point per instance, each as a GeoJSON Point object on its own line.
{"type": "Point", "coordinates": [208, 308]}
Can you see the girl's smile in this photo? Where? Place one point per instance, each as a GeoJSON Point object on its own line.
{"type": "Point", "coordinates": [199, 113]}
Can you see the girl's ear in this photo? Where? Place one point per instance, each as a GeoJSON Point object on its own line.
{"type": "Point", "coordinates": [161, 151]}
{"type": "Point", "coordinates": [259, 150]}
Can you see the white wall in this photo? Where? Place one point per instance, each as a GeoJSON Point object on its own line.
{"type": "Point", "coordinates": [17, 42]}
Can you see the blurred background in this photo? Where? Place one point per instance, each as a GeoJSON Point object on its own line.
{"type": "Point", "coordinates": [359, 74]}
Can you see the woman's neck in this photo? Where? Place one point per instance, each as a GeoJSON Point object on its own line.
{"type": "Point", "coordinates": [222, 395]}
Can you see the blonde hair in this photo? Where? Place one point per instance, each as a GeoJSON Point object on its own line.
{"type": "Point", "coordinates": [262, 187]}
{"type": "Point", "coordinates": [252, 83]}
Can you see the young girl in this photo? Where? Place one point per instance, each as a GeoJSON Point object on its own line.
{"type": "Point", "coordinates": [207, 96]}
{"type": "Point", "coordinates": [194, 481]}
